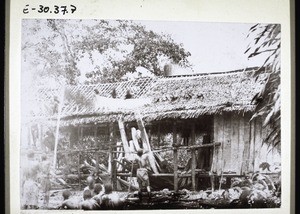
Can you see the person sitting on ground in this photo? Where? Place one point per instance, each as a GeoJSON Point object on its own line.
{"type": "Point", "coordinates": [88, 203]}
{"type": "Point", "coordinates": [68, 203]}
{"type": "Point", "coordinates": [90, 184]}
{"type": "Point", "coordinates": [98, 191]}
{"type": "Point", "coordinates": [110, 200]}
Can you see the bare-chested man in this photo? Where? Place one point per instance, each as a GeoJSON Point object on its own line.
{"type": "Point", "coordinates": [142, 171]}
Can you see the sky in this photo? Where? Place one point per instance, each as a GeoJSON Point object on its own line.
{"type": "Point", "coordinates": [214, 47]}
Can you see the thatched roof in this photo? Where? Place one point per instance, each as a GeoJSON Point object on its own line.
{"type": "Point", "coordinates": [188, 96]}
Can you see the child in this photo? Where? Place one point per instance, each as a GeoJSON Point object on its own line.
{"type": "Point", "coordinates": [89, 203]}
{"type": "Point", "coordinates": [68, 203]}
{"type": "Point", "coordinates": [98, 191]}
{"type": "Point", "coordinates": [91, 184]}
{"type": "Point", "coordinates": [110, 200]}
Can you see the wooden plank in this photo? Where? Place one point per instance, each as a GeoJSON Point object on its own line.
{"type": "Point", "coordinates": [216, 131]}
{"type": "Point", "coordinates": [142, 128]}
{"type": "Point", "coordinates": [217, 144]}
{"type": "Point", "coordinates": [97, 154]}
{"type": "Point", "coordinates": [234, 136]}
{"type": "Point", "coordinates": [252, 147]}
{"type": "Point", "coordinates": [175, 157]}
{"type": "Point", "coordinates": [60, 111]}
{"type": "Point", "coordinates": [134, 139]}
{"type": "Point", "coordinates": [175, 164]}
{"type": "Point", "coordinates": [268, 157]}
{"type": "Point", "coordinates": [227, 142]}
{"type": "Point", "coordinates": [258, 144]}
{"type": "Point", "coordinates": [78, 170]}
{"type": "Point", "coordinates": [247, 141]}
{"type": "Point", "coordinates": [158, 135]}
{"type": "Point", "coordinates": [123, 136]}
{"type": "Point", "coordinates": [119, 155]}
{"type": "Point", "coordinates": [145, 139]}
{"type": "Point", "coordinates": [110, 157]}
{"type": "Point", "coordinates": [193, 162]}
{"type": "Point", "coordinates": [241, 146]}
{"type": "Point", "coordinates": [219, 132]}
{"type": "Point", "coordinates": [40, 135]}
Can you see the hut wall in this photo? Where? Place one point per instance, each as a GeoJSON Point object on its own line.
{"type": "Point", "coordinates": [242, 149]}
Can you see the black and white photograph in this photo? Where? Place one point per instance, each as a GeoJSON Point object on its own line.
{"type": "Point", "coordinates": [135, 115]}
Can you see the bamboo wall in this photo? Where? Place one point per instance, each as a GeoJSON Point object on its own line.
{"type": "Point", "coordinates": [242, 150]}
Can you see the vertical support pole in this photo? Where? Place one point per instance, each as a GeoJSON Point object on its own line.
{"type": "Point", "coordinates": [175, 156]}
{"type": "Point", "coordinates": [78, 133]}
{"type": "Point", "coordinates": [228, 182]}
{"type": "Point", "coordinates": [81, 133]}
{"type": "Point", "coordinates": [254, 142]}
{"type": "Point", "coordinates": [78, 168]}
{"type": "Point", "coordinates": [112, 162]}
{"type": "Point", "coordinates": [97, 152]}
{"type": "Point", "coordinates": [40, 136]}
{"type": "Point", "coordinates": [158, 135]}
{"type": "Point", "coordinates": [193, 158]}
{"type": "Point", "coordinates": [149, 135]}
{"type": "Point", "coordinates": [212, 181]}
{"type": "Point", "coordinates": [60, 108]}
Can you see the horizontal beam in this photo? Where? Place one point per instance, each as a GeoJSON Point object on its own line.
{"type": "Point", "coordinates": [188, 147]}
{"type": "Point", "coordinates": [83, 151]}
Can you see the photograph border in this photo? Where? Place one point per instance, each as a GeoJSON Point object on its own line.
{"type": "Point", "coordinates": [269, 11]}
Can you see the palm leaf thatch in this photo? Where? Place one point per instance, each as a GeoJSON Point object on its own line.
{"type": "Point", "coordinates": [188, 96]}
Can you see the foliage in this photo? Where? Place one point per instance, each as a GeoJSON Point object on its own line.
{"type": "Point", "coordinates": [94, 50]}
{"type": "Point", "coordinates": [267, 44]}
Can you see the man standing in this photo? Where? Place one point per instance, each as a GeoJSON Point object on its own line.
{"type": "Point", "coordinates": [142, 171]}
{"type": "Point", "coordinates": [30, 186]}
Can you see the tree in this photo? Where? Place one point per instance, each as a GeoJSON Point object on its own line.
{"type": "Point", "coordinates": [95, 50]}
{"type": "Point", "coordinates": [267, 42]}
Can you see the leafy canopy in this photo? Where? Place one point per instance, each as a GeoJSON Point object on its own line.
{"type": "Point", "coordinates": [267, 42]}
{"type": "Point", "coordinates": [90, 51]}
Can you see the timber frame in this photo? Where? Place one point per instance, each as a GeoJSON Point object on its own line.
{"type": "Point", "coordinates": [219, 105]}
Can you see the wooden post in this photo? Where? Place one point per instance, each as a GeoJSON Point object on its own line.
{"type": "Point", "coordinates": [228, 182]}
{"type": "Point", "coordinates": [112, 157]}
{"type": "Point", "coordinates": [175, 156]}
{"type": "Point", "coordinates": [193, 167]}
{"type": "Point", "coordinates": [134, 139]}
{"type": "Point", "coordinates": [145, 139]}
{"type": "Point", "coordinates": [123, 136]}
{"type": "Point", "coordinates": [81, 133]}
{"type": "Point", "coordinates": [57, 127]}
{"type": "Point", "coordinates": [78, 168]}
{"type": "Point", "coordinates": [97, 152]}
{"type": "Point", "coordinates": [40, 134]}
{"type": "Point", "coordinates": [143, 130]}
{"type": "Point", "coordinates": [212, 181]}
{"type": "Point", "coordinates": [158, 135]}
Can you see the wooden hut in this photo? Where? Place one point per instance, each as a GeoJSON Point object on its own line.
{"type": "Point", "coordinates": [206, 114]}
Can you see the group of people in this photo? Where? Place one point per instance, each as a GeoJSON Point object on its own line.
{"type": "Point", "coordinates": [95, 197]}
{"type": "Point", "coordinates": [36, 181]}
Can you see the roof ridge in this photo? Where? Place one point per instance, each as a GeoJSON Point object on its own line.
{"type": "Point", "coordinates": [210, 73]}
